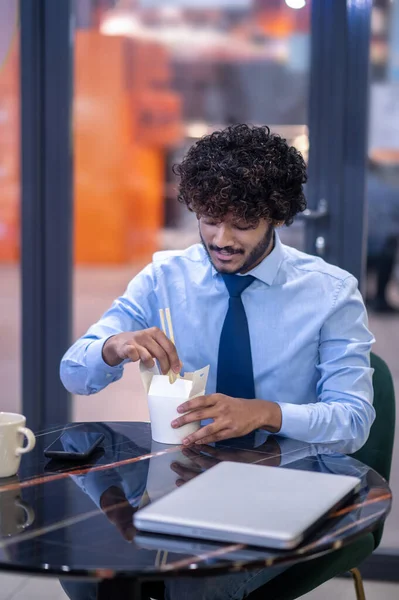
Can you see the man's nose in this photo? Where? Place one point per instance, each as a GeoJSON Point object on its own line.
{"type": "Point", "coordinates": [223, 237]}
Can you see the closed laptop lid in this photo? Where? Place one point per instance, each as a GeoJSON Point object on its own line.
{"type": "Point", "coordinates": [245, 503]}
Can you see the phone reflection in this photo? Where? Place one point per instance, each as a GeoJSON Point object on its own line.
{"type": "Point", "coordinates": [74, 444]}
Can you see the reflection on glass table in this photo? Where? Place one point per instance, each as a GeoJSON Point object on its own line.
{"type": "Point", "coordinates": [84, 524]}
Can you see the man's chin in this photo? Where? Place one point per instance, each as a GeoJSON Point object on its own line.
{"type": "Point", "coordinates": [227, 269]}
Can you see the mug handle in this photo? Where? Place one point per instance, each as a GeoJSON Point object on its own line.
{"type": "Point", "coordinates": [31, 441]}
{"type": "Point", "coordinates": [29, 513]}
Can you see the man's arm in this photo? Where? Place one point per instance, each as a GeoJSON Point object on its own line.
{"type": "Point", "coordinates": [83, 369]}
{"type": "Point", "coordinates": [116, 490]}
{"type": "Point", "coordinates": [344, 410]}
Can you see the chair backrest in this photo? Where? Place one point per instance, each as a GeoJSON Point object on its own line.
{"type": "Point", "coordinates": [377, 451]}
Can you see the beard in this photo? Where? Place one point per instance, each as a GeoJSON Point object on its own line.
{"type": "Point", "coordinates": [254, 257]}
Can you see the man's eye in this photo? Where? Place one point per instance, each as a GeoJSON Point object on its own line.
{"type": "Point", "coordinates": [242, 227]}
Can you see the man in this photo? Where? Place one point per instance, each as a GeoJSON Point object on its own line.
{"type": "Point", "coordinates": [285, 334]}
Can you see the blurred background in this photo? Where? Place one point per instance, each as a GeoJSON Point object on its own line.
{"type": "Point", "coordinates": [148, 78]}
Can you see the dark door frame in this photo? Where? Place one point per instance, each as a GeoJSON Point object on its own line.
{"type": "Point", "coordinates": [338, 128]}
{"type": "Point", "coordinates": [46, 207]}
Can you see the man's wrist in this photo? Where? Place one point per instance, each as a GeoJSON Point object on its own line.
{"type": "Point", "coordinates": [111, 496]}
{"type": "Point", "coordinates": [109, 355]}
{"type": "Point", "coordinates": [271, 417]}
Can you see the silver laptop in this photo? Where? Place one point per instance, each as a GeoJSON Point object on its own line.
{"type": "Point", "coordinates": [251, 504]}
{"type": "Point", "coordinates": [191, 546]}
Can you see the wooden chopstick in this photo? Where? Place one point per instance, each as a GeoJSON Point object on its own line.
{"type": "Point", "coordinates": [172, 375]}
{"type": "Point", "coordinates": [161, 558]}
{"type": "Point", "coordinates": [162, 317]}
{"type": "Point", "coordinates": [170, 326]}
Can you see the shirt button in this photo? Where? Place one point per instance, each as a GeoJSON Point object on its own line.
{"type": "Point", "coordinates": [109, 375]}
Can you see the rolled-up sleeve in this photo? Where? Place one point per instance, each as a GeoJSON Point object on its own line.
{"type": "Point", "coordinates": [83, 370]}
{"type": "Point", "coordinates": [344, 410]}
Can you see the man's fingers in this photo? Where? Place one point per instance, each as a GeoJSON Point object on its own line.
{"type": "Point", "coordinates": [145, 357]}
{"type": "Point", "coordinates": [129, 533]}
{"type": "Point", "coordinates": [215, 453]}
{"type": "Point", "coordinates": [202, 433]}
{"type": "Point", "coordinates": [169, 348]}
{"type": "Point", "coordinates": [204, 462]}
{"type": "Point", "coordinates": [191, 452]}
{"type": "Point", "coordinates": [124, 345]}
{"type": "Point", "coordinates": [198, 403]}
{"type": "Point", "coordinates": [221, 454]}
{"type": "Point", "coordinates": [181, 469]}
{"type": "Point", "coordinates": [195, 415]}
{"type": "Point", "coordinates": [208, 435]}
{"type": "Point", "coordinates": [225, 434]}
{"type": "Point", "coordinates": [184, 472]}
{"type": "Point", "coordinates": [198, 458]}
{"type": "Point", "coordinates": [159, 353]}
{"type": "Point", "coordinates": [126, 530]}
{"type": "Point", "coordinates": [131, 352]}
{"type": "Point", "coordinates": [138, 352]}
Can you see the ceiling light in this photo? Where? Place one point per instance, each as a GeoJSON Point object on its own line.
{"type": "Point", "coordinates": [295, 3]}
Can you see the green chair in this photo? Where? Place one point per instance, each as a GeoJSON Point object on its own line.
{"type": "Point", "coordinates": [377, 454]}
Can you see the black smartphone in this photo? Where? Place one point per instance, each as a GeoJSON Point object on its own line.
{"type": "Point", "coordinates": [74, 445]}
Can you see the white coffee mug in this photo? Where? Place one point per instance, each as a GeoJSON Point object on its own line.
{"type": "Point", "coordinates": [15, 514]}
{"type": "Point", "coordinates": [12, 432]}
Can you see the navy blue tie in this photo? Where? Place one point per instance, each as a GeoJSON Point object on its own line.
{"type": "Point", "coordinates": [235, 375]}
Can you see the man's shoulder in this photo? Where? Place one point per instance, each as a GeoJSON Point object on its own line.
{"type": "Point", "coordinates": [173, 259]}
{"type": "Point", "coordinates": [190, 264]}
{"type": "Point", "coordinates": [168, 268]}
{"type": "Point", "coordinates": [299, 263]}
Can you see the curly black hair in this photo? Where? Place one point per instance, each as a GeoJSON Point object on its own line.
{"type": "Point", "coordinates": [245, 170]}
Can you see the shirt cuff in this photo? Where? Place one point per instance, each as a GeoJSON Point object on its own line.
{"type": "Point", "coordinates": [293, 450]}
{"type": "Point", "coordinates": [96, 363]}
{"type": "Point", "coordinates": [94, 484]}
{"type": "Point", "coordinates": [295, 421]}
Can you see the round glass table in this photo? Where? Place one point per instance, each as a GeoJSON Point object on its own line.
{"type": "Point", "coordinates": [75, 519]}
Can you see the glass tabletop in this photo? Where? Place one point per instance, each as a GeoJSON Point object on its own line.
{"type": "Point", "coordinates": [76, 518]}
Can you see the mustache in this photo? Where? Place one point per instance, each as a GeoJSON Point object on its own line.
{"type": "Point", "coordinates": [227, 250]}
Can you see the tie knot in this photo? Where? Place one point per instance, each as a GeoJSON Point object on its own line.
{"type": "Point", "coordinates": [236, 284]}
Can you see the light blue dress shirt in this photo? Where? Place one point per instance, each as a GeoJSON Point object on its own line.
{"type": "Point", "coordinates": [308, 327]}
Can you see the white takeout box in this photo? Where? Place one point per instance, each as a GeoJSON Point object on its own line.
{"type": "Point", "coordinates": [164, 398]}
{"type": "Point", "coordinates": [161, 478]}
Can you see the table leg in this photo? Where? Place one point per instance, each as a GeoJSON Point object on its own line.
{"type": "Point", "coordinates": [123, 589]}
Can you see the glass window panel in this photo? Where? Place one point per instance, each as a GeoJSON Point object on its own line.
{"type": "Point", "coordinates": [383, 209]}
{"type": "Point", "coordinates": [10, 313]}
{"type": "Point", "coordinates": [151, 77]}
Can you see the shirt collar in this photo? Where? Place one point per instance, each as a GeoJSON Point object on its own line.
{"type": "Point", "coordinates": [267, 270]}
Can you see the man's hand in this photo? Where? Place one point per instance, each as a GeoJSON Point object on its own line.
{"type": "Point", "coordinates": [232, 417]}
{"type": "Point", "coordinates": [205, 457]}
{"type": "Point", "coordinates": [269, 453]}
{"type": "Point", "coordinates": [145, 345]}
{"type": "Point", "coordinates": [199, 463]}
{"type": "Point", "coordinates": [114, 504]}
